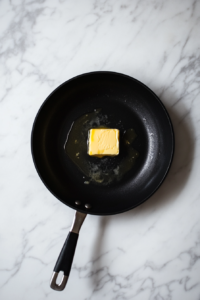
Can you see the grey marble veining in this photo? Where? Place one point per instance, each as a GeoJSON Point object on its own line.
{"type": "Point", "coordinates": [151, 252]}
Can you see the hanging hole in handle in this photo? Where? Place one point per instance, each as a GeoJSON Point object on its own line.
{"type": "Point", "coordinates": [59, 278]}
{"type": "Point", "coordinates": [62, 279]}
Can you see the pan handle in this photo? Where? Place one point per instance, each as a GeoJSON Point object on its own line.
{"type": "Point", "coordinates": [66, 256]}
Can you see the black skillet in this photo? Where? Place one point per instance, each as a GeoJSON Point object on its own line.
{"type": "Point", "coordinates": [123, 99]}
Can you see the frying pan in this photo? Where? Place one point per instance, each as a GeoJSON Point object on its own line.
{"type": "Point", "coordinates": [127, 102]}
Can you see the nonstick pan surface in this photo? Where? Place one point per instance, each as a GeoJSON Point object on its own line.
{"type": "Point", "coordinates": [123, 99]}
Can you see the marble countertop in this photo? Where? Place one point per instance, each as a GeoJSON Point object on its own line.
{"type": "Point", "coordinates": [151, 252]}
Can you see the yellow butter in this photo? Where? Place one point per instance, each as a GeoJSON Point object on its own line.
{"type": "Point", "coordinates": [103, 142]}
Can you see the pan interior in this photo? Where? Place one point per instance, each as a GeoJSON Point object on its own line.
{"type": "Point", "coordinates": [128, 104]}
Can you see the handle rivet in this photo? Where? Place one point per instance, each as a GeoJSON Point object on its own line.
{"type": "Point", "coordinates": [87, 205]}
{"type": "Point", "coordinates": [77, 202]}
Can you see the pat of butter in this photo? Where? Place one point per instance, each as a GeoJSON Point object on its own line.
{"type": "Point", "coordinates": [103, 142]}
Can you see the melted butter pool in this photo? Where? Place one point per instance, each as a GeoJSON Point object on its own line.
{"type": "Point", "coordinates": [96, 170]}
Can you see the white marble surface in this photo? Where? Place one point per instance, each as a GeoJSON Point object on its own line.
{"type": "Point", "coordinates": [151, 252]}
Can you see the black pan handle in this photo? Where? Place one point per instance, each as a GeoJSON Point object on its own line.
{"type": "Point", "coordinates": [66, 256]}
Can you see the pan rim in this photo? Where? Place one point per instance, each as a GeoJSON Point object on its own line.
{"type": "Point", "coordinates": [169, 122]}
